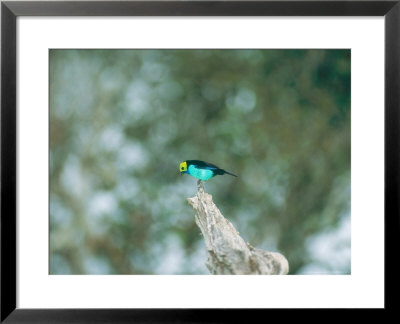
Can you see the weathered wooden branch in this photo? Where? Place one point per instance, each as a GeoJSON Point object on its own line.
{"type": "Point", "coordinates": [227, 252]}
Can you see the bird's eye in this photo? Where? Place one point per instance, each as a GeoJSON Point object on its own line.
{"type": "Point", "coordinates": [182, 168]}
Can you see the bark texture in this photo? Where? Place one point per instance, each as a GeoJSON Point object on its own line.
{"type": "Point", "coordinates": [227, 252]}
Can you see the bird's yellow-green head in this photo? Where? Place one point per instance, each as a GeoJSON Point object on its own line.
{"type": "Point", "coordinates": [183, 167]}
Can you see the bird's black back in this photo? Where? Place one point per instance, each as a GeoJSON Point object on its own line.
{"type": "Point", "coordinates": [202, 164]}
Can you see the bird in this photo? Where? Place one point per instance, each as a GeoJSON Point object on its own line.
{"type": "Point", "coordinates": [201, 170]}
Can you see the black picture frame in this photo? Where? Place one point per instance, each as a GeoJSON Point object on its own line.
{"type": "Point", "coordinates": [11, 10]}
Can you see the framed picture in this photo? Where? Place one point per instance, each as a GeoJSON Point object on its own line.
{"type": "Point", "coordinates": [114, 114]}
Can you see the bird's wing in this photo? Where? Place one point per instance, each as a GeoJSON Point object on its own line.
{"type": "Point", "coordinates": [204, 165]}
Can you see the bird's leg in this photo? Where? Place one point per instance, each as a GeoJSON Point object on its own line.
{"type": "Point", "coordinates": [200, 186]}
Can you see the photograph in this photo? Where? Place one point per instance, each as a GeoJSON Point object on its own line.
{"type": "Point", "coordinates": [199, 161]}
{"type": "Point", "coordinates": [163, 159]}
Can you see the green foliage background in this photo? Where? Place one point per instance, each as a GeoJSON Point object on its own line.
{"type": "Point", "coordinates": [121, 121]}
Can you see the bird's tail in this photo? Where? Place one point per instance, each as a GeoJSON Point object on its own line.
{"type": "Point", "coordinates": [229, 173]}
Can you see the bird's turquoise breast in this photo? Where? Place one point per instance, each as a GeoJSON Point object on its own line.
{"type": "Point", "coordinates": [202, 174]}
